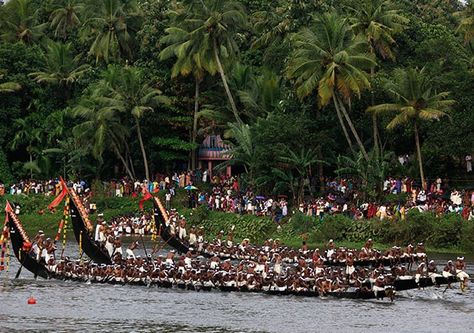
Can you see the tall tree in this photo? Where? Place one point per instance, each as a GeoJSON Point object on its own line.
{"type": "Point", "coordinates": [125, 90]}
{"type": "Point", "coordinates": [466, 23]}
{"type": "Point", "coordinates": [111, 25]}
{"type": "Point", "coordinates": [59, 66]}
{"type": "Point", "coordinates": [416, 101]}
{"type": "Point", "coordinates": [187, 62]}
{"type": "Point", "coordinates": [100, 128]}
{"type": "Point", "coordinates": [331, 60]}
{"type": "Point", "coordinates": [65, 16]}
{"type": "Point", "coordinates": [209, 29]}
{"type": "Point", "coordinates": [21, 21]}
{"type": "Point", "coordinates": [29, 135]}
{"type": "Point", "coordinates": [378, 21]}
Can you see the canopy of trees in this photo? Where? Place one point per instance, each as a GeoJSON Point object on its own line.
{"type": "Point", "coordinates": [102, 89]}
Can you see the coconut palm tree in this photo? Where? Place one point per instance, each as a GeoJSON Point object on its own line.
{"type": "Point", "coordinates": [415, 102]}
{"type": "Point", "coordinates": [300, 162]}
{"type": "Point", "coordinates": [378, 21]}
{"type": "Point", "coordinates": [330, 60]}
{"type": "Point", "coordinates": [177, 39]}
{"type": "Point", "coordinates": [65, 16]}
{"type": "Point", "coordinates": [27, 134]}
{"type": "Point", "coordinates": [100, 128]}
{"type": "Point", "coordinates": [124, 89]}
{"type": "Point", "coordinates": [111, 26]}
{"type": "Point", "coordinates": [208, 31]}
{"type": "Point", "coordinates": [243, 151]}
{"type": "Point", "coordinates": [21, 21]}
{"type": "Point", "coordinates": [466, 23]}
{"type": "Point", "coordinates": [59, 66]}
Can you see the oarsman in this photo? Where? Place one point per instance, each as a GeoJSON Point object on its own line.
{"type": "Point", "coordinates": [331, 251]}
{"type": "Point", "coordinates": [277, 267]}
{"type": "Point", "coordinates": [131, 248]}
{"type": "Point", "coordinates": [230, 238]}
{"type": "Point", "coordinates": [109, 245]}
{"type": "Point", "coordinates": [182, 228]}
{"type": "Point", "coordinates": [379, 285]}
{"type": "Point", "coordinates": [433, 271]}
{"type": "Point", "coordinates": [449, 271]}
{"type": "Point", "coordinates": [37, 246]}
{"type": "Point", "coordinates": [244, 244]}
{"type": "Point", "coordinates": [367, 249]}
{"type": "Point", "coordinates": [170, 258]}
{"type": "Point", "coordinates": [420, 250]}
{"type": "Point", "coordinates": [460, 272]}
{"type": "Point", "coordinates": [118, 245]}
{"type": "Point", "coordinates": [304, 247]}
{"type": "Point", "coordinates": [219, 239]}
{"type": "Point", "coordinates": [350, 264]}
{"type": "Point", "coordinates": [420, 271]}
{"type": "Point", "coordinates": [215, 261]}
{"type": "Point", "coordinates": [192, 236]}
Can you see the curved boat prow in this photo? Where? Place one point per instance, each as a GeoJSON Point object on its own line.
{"type": "Point", "coordinates": [161, 217]}
{"type": "Point", "coordinates": [21, 245]}
{"type": "Point", "coordinates": [83, 231]}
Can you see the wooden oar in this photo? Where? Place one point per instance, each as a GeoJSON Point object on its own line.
{"type": "Point", "coordinates": [144, 248]}
{"type": "Point", "coordinates": [19, 270]}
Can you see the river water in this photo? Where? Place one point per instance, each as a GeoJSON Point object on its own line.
{"type": "Point", "coordinates": [80, 307]}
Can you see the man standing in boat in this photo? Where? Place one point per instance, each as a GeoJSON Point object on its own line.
{"type": "Point", "coordinates": [460, 272]}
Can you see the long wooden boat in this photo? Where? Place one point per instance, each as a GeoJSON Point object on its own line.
{"type": "Point", "coordinates": [160, 217]}
{"type": "Point", "coordinates": [350, 293]}
{"type": "Point", "coordinates": [21, 245]}
{"type": "Point", "coordinates": [83, 231]}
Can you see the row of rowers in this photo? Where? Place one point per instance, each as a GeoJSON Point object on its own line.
{"type": "Point", "coordinates": [224, 247]}
{"type": "Point", "coordinates": [263, 275]}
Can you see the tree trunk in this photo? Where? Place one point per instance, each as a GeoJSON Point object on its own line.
{"type": "Point", "coordinates": [142, 147]}
{"type": "Point", "coordinates": [224, 82]}
{"type": "Point", "coordinates": [341, 121]}
{"type": "Point", "coordinates": [31, 164]}
{"type": "Point", "coordinates": [128, 158]}
{"type": "Point", "coordinates": [124, 162]}
{"type": "Point", "coordinates": [418, 152]}
{"type": "Point", "coordinates": [353, 130]}
{"type": "Point", "coordinates": [195, 125]}
{"type": "Point", "coordinates": [375, 130]}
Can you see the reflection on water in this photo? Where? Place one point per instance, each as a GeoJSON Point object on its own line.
{"type": "Point", "coordinates": [73, 307]}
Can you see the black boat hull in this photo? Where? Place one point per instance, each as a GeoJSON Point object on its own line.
{"type": "Point", "coordinates": [83, 236]}
{"type": "Point", "coordinates": [25, 258]}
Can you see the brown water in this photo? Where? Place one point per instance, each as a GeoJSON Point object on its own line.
{"type": "Point", "coordinates": [80, 307]}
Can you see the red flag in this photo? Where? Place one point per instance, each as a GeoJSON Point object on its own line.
{"type": "Point", "coordinates": [61, 195]}
{"type": "Point", "coordinates": [8, 208]}
{"type": "Point", "coordinates": [146, 196]}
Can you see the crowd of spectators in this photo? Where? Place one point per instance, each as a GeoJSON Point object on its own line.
{"type": "Point", "coordinates": [224, 193]}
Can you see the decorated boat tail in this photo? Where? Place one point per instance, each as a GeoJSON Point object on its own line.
{"type": "Point", "coordinates": [83, 231]}
{"type": "Point", "coordinates": [160, 217]}
{"type": "Point", "coordinates": [22, 246]}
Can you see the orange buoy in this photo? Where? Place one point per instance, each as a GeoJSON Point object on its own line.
{"type": "Point", "coordinates": [31, 300]}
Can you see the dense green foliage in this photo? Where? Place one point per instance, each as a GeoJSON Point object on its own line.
{"type": "Point", "coordinates": [101, 89]}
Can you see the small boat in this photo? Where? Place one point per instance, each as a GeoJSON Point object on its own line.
{"type": "Point", "coordinates": [83, 231]}
{"type": "Point", "coordinates": [21, 245]}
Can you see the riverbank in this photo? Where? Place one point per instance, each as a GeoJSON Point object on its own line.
{"type": "Point", "coordinates": [447, 234]}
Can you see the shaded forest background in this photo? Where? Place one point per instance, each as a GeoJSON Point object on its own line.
{"type": "Point", "coordinates": [102, 89]}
